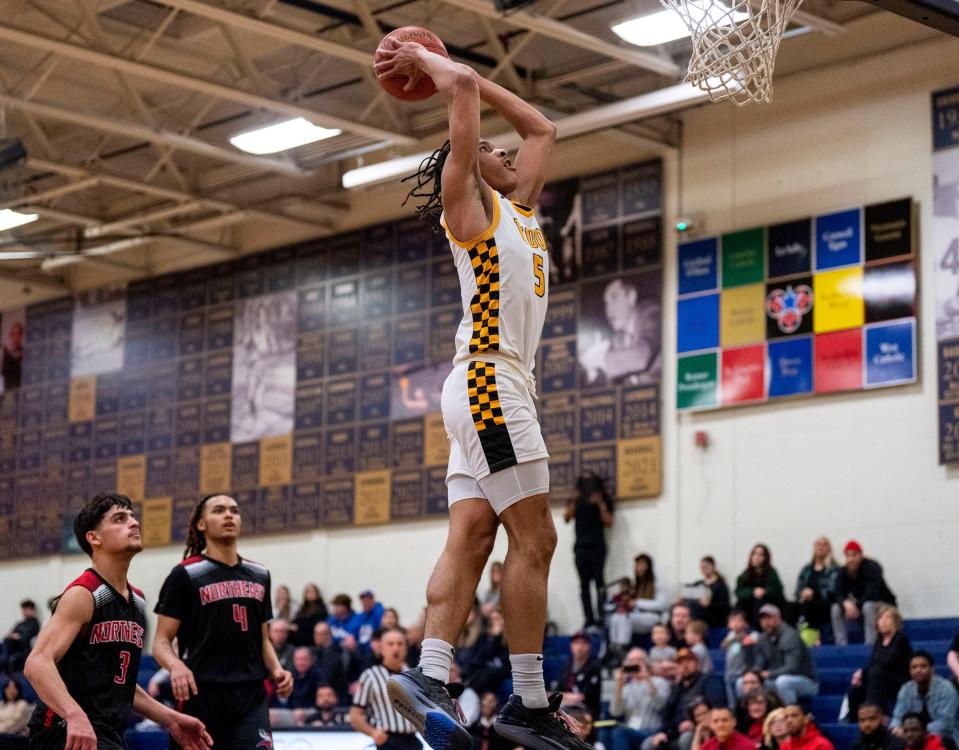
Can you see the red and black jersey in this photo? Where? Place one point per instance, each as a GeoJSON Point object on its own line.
{"type": "Point", "coordinates": [100, 667]}
{"type": "Point", "coordinates": [221, 609]}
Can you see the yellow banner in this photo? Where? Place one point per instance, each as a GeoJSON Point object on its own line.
{"type": "Point", "coordinates": [132, 476]}
{"type": "Point", "coordinates": [743, 315]}
{"type": "Point", "coordinates": [276, 460]}
{"type": "Point", "coordinates": [155, 521]}
{"type": "Point", "coordinates": [436, 444]}
{"type": "Point", "coordinates": [838, 301]}
{"type": "Point", "coordinates": [371, 498]}
{"type": "Point", "coordinates": [639, 467]}
{"type": "Point", "coordinates": [216, 461]}
{"type": "Point", "coordinates": [83, 399]}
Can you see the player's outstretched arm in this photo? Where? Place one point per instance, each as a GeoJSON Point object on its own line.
{"type": "Point", "coordinates": [181, 678]}
{"type": "Point", "coordinates": [281, 677]}
{"type": "Point", "coordinates": [188, 731]}
{"type": "Point", "coordinates": [73, 611]}
{"type": "Point", "coordinates": [467, 204]}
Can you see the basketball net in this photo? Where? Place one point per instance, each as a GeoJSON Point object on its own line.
{"type": "Point", "coordinates": [734, 45]}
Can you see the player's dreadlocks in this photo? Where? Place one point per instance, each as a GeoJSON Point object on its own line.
{"type": "Point", "coordinates": [195, 540]}
{"type": "Point", "coordinates": [429, 184]}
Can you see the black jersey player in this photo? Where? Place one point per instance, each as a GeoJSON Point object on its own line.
{"type": "Point", "coordinates": [217, 605]}
{"type": "Point", "coordinates": [84, 664]}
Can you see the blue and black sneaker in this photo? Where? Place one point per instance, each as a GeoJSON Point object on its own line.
{"type": "Point", "coordinates": [538, 728]}
{"type": "Point", "coordinates": [427, 704]}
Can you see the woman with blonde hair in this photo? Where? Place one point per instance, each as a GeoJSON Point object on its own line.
{"type": "Point", "coordinates": [774, 729]}
{"type": "Point", "coordinates": [887, 670]}
{"type": "Point", "coordinates": [815, 589]}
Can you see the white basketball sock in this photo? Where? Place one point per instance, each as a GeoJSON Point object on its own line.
{"type": "Point", "coordinates": [528, 681]}
{"type": "Point", "coordinates": [436, 659]}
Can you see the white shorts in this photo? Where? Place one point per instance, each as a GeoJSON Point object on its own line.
{"type": "Point", "coordinates": [490, 419]}
{"type": "Point", "coordinates": [503, 488]}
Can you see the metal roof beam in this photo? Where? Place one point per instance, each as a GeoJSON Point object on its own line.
{"type": "Point", "coordinates": [191, 83]}
{"type": "Point", "coordinates": [152, 135]}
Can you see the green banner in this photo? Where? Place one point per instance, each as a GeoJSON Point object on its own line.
{"type": "Point", "coordinates": [697, 385]}
{"type": "Point", "coordinates": [744, 255]}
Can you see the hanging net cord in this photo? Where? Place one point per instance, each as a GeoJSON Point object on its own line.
{"type": "Point", "coordinates": [735, 45]}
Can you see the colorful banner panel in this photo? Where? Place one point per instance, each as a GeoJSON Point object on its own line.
{"type": "Point", "coordinates": [945, 238]}
{"type": "Point", "coordinates": [307, 380]}
{"type": "Point", "coordinates": [816, 305]}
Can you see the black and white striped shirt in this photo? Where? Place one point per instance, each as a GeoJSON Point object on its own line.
{"type": "Point", "coordinates": [372, 696]}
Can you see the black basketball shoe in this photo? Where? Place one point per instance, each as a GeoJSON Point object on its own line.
{"type": "Point", "coordinates": [427, 704]}
{"type": "Point", "coordinates": [538, 728]}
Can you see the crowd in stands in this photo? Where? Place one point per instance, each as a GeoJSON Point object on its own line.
{"type": "Point", "coordinates": [641, 666]}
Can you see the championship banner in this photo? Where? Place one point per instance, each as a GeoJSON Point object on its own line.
{"type": "Point", "coordinates": [156, 521]}
{"type": "Point", "coordinates": [945, 237]}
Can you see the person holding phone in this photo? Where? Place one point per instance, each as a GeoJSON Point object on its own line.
{"type": "Point", "coordinates": [638, 701]}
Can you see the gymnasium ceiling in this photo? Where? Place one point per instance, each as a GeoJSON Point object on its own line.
{"type": "Point", "coordinates": [126, 107]}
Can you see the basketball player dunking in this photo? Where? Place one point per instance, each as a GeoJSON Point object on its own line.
{"type": "Point", "coordinates": [497, 467]}
{"type": "Point", "coordinates": [84, 664]}
{"type": "Point", "coordinates": [218, 607]}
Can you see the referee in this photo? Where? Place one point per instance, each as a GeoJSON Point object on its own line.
{"type": "Point", "coordinates": [372, 712]}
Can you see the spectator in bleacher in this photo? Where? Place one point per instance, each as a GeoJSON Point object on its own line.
{"type": "Point", "coordinates": [755, 685]}
{"type": "Point", "coordinates": [370, 618]}
{"type": "Point", "coordinates": [328, 661]}
{"type": "Point", "coordinates": [638, 701]}
{"type": "Point", "coordinates": [782, 657]}
{"type": "Point", "coordinates": [740, 647]}
{"type": "Point", "coordinates": [475, 626]}
{"type": "Point", "coordinates": [328, 715]}
{"type": "Point", "coordinates": [952, 659]}
{"type": "Point", "coordinates": [311, 611]}
{"type": "Point", "coordinates": [414, 641]}
{"type": "Point", "coordinates": [645, 604]}
{"type": "Point", "coordinates": [696, 727]}
{"type": "Point", "coordinates": [591, 506]}
{"type": "Point", "coordinates": [14, 717]}
{"type": "Point", "coordinates": [491, 597]}
{"type": "Point", "coordinates": [489, 664]}
{"type": "Point", "coordinates": [484, 736]}
{"type": "Point", "coordinates": [468, 699]}
{"type": "Point", "coordinates": [803, 733]}
{"type": "Point", "coordinates": [860, 590]}
{"type": "Point", "coordinates": [585, 728]}
{"type": "Point", "coordinates": [343, 620]}
{"type": "Point", "coordinates": [662, 656]}
{"type": "Point", "coordinates": [353, 660]}
{"type": "Point", "coordinates": [873, 735]}
{"type": "Point", "coordinates": [679, 618]}
{"type": "Point", "coordinates": [695, 637]}
{"type": "Point", "coordinates": [581, 681]}
{"type": "Point", "coordinates": [916, 736]}
{"type": "Point", "coordinates": [722, 725]}
{"type": "Point", "coordinates": [753, 719]}
{"type": "Point", "coordinates": [19, 640]}
{"type": "Point", "coordinates": [372, 712]}
{"type": "Point", "coordinates": [283, 605]}
{"type": "Point", "coordinates": [691, 687]}
{"type": "Point", "coordinates": [759, 584]}
{"type": "Point", "coordinates": [888, 667]}
{"type": "Point", "coordinates": [753, 679]}
{"type": "Point", "coordinates": [816, 586]}
{"type": "Point", "coordinates": [928, 694]}
{"type": "Point", "coordinates": [713, 604]}
{"type": "Point", "coordinates": [774, 730]}
{"type": "Point", "coordinates": [304, 679]}
{"type": "Point", "coordinates": [390, 619]}
{"type": "Point", "coordinates": [280, 638]}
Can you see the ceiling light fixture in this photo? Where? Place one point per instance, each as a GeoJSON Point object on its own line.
{"type": "Point", "coordinates": [668, 26]}
{"type": "Point", "coordinates": [281, 136]}
{"type": "Point", "coordinates": [10, 219]}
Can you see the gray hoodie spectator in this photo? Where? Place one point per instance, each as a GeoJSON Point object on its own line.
{"type": "Point", "coordinates": [783, 658]}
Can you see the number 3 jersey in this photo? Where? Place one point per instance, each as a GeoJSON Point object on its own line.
{"type": "Point", "coordinates": [100, 667]}
{"type": "Point", "coordinates": [221, 609]}
{"type": "Point", "coordinates": [504, 278]}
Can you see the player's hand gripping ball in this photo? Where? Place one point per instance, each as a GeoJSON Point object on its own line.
{"type": "Point", "coordinates": [395, 62]}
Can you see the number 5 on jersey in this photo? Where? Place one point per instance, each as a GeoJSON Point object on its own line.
{"type": "Point", "coordinates": [540, 286]}
{"type": "Point", "coordinates": [239, 616]}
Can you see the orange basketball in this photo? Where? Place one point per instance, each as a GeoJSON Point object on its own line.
{"type": "Point", "coordinates": [424, 88]}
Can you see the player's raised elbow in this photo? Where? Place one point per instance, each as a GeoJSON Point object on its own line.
{"type": "Point", "coordinates": [464, 82]}
{"type": "Point", "coordinates": [547, 129]}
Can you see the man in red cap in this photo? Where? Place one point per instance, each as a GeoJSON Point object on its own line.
{"type": "Point", "coordinates": [861, 590]}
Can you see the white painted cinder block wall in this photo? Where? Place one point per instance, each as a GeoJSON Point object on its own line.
{"type": "Point", "coordinates": [859, 466]}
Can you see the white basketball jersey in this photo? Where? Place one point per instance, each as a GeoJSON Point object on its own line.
{"type": "Point", "coordinates": [504, 284]}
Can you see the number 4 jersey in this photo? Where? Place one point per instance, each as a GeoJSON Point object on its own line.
{"type": "Point", "coordinates": [221, 609]}
{"type": "Point", "coordinates": [100, 667]}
